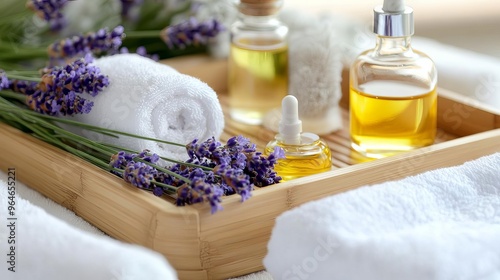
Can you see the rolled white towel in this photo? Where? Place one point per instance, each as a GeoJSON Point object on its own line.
{"type": "Point", "coordinates": [36, 245]}
{"type": "Point", "coordinates": [153, 100]}
{"type": "Point", "coordinates": [442, 224]}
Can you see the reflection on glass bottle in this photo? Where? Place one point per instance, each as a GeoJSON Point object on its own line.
{"type": "Point", "coordinates": [258, 61]}
{"type": "Point", "coordinates": [393, 100]}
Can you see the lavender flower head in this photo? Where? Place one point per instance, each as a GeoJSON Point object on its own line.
{"type": "Point", "coordinates": [50, 11]}
{"type": "Point", "coordinates": [4, 81]}
{"type": "Point", "coordinates": [198, 192]}
{"type": "Point", "coordinates": [139, 174]}
{"type": "Point", "coordinates": [60, 90]}
{"type": "Point", "coordinates": [102, 41]}
{"type": "Point", "coordinates": [24, 87]}
{"type": "Point", "coordinates": [190, 32]}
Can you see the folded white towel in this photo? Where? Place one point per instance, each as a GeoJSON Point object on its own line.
{"type": "Point", "coordinates": [36, 245]}
{"type": "Point", "coordinates": [154, 100]}
{"type": "Point", "coordinates": [442, 224]}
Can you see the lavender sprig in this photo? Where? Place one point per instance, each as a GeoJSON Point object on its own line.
{"type": "Point", "coordinates": [102, 41]}
{"type": "Point", "coordinates": [236, 168]}
{"type": "Point", "coordinates": [190, 32]}
{"type": "Point", "coordinates": [50, 104]}
{"type": "Point", "coordinates": [50, 11]}
{"type": "Point", "coordinates": [60, 89]}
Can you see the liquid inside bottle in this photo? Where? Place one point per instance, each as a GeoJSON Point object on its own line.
{"type": "Point", "coordinates": [312, 156]}
{"type": "Point", "coordinates": [388, 117]}
{"type": "Point", "coordinates": [258, 78]}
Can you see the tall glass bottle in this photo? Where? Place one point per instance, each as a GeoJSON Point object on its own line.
{"type": "Point", "coordinates": [258, 61]}
{"type": "Point", "coordinates": [393, 100]}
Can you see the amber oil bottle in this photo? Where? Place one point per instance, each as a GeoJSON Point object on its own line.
{"type": "Point", "coordinates": [393, 100]}
{"type": "Point", "coordinates": [258, 61]}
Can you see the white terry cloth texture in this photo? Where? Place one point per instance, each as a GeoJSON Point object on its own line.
{"type": "Point", "coordinates": [48, 248]}
{"type": "Point", "coordinates": [315, 72]}
{"type": "Point", "coordinates": [441, 224]}
{"type": "Point", "coordinates": [151, 99]}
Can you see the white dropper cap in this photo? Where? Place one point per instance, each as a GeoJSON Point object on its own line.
{"type": "Point", "coordinates": [393, 6]}
{"type": "Point", "coordinates": [393, 19]}
{"type": "Point", "coordinates": [290, 127]}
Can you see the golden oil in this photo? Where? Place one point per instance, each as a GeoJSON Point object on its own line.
{"type": "Point", "coordinates": [309, 157]}
{"type": "Point", "coordinates": [258, 78]}
{"type": "Point", "coordinates": [391, 116]}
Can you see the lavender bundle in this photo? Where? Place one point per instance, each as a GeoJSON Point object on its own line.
{"type": "Point", "coordinates": [212, 171]}
{"type": "Point", "coordinates": [61, 90]}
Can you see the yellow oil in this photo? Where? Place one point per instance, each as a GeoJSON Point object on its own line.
{"type": "Point", "coordinates": [258, 78]}
{"type": "Point", "coordinates": [388, 117]}
{"type": "Point", "coordinates": [301, 160]}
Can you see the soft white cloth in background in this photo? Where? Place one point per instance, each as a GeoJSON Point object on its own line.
{"type": "Point", "coordinates": [48, 248]}
{"type": "Point", "coordinates": [463, 71]}
{"type": "Point", "coordinates": [460, 70]}
{"type": "Point", "coordinates": [442, 224]}
{"type": "Point", "coordinates": [315, 72]}
{"type": "Point", "coordinates": [153, 100]}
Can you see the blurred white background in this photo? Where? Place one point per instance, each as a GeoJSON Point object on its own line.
{"type": "Point", "coordinates": [469, 24]}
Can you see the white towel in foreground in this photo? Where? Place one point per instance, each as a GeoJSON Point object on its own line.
{"type": "Point", "coordinates": [442, 224]}
{"type": "Point", "coordinates": [47, 248]}
{"type": "Point", "coordinates": [153, 100]}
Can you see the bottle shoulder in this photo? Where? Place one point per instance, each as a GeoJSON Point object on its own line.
{"type": "Point", "coordinates": [415, 68]}
{"type": "Point", "coordinates": [409, 57]}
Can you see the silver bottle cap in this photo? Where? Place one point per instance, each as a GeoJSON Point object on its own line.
{"type": "Point", "coordinates": [392, 24]}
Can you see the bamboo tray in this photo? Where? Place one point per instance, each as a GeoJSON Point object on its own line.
{"type": "Point", "coordinates": [233, 242]}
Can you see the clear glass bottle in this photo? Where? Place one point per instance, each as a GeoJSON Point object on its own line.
{"type": "Point", "coordinates": [305, 153]}
{"type": "Point", "coordinates": [393, 99]}
{"type": "Point", "coordinates": [258, 61]}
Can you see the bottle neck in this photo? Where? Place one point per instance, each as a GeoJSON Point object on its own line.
{"type": "Point", "coordinates": [259, 21]}
{"type": "Point", "coordinates": [386, 45]}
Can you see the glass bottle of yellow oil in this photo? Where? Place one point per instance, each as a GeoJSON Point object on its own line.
{"type": "Point", "coordinates": [258, 61]}
{"type": "Point", "coordinates": [393, 100]}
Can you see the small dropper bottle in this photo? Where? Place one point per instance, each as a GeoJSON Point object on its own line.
{"type": "Point", "coordinates": [305, 153]}
{"type": "Point", "coordinates": [393, 100]}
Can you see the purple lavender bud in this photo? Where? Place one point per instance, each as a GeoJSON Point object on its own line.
{"type": "Point", "coordinates": [190, 32]}
{"type": "Point", "coordinates": [261, 169]}
{"type": "Point", "coordinates": [236, 179]}
{"type": "Point", "coordinates": [50, 11]}
{"type": "Point", "coordinates": [158, 191]}
{"type": "Point", "coordinates": [139, 174]}
{"type": "Point", "coordinates": [50, 104]}
{"type": "Point", "coordinates": [25, 87]}
{"type": "Point", "coordinates": [4, 81]}
{"type": "Point", "coordinates": [79, 77]}
{"type": "Point", "coordinates": [198, 192]}
{"type": "Point", "coordinates": [98, 42]}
